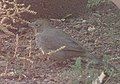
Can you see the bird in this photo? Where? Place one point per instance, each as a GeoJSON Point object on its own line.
{"type": "Point", "coordinates": [51, 39]}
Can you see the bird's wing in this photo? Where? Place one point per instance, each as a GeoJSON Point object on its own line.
{"type": "Point", "coordinates": [71, 43]}
{"type": "Point", "coordinates": [56, 39]}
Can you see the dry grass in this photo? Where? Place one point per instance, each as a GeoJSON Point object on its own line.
{"type": "Point", "coordinates": [11, 13]}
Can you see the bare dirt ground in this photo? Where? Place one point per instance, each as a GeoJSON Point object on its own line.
{"type": "Point", "coordinates": [99, 33]}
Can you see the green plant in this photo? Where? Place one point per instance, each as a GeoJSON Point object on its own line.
{"type": "Point", "coordinates": [74, 73]}
{"type": "Point", "coordinates": [91, 72]}
{"type": "Point", "coordinates": [92, 3]}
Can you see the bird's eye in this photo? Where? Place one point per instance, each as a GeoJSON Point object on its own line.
{"type": "Point", "coordinates": [37, 25]}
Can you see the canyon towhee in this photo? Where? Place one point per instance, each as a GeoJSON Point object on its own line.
{"type": "Point", "coordinates": [56, 42]}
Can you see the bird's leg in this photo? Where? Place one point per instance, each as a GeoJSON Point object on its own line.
{"type": "Point", "coordinates": [42, 51]}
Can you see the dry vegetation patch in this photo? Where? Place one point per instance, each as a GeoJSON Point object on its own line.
{"type": "Point", "coordinates": [21, 61]}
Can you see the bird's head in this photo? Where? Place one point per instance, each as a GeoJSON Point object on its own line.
{"type": "Point", "coordinates": [40, 23]}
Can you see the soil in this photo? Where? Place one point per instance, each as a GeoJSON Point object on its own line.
{"type": "Point", "coordinates": [98, 32]}
{"type": "Point", "coordinates": [54, 8]}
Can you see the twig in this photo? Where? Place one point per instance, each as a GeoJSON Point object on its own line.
{"type": "Point", "coordinates": [16, 45]}
{"type": "Point", "coordinates": [30, 48]}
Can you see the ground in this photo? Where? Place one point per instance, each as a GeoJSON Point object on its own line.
{"type": "Point", "coordinates": [98, 32]}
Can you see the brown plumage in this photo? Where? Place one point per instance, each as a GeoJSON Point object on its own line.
{"type": "Point", "coordinates": [51, 39]}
